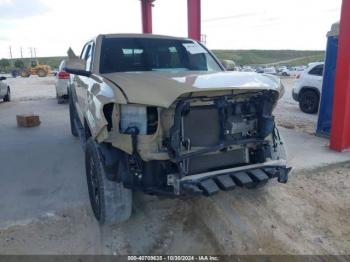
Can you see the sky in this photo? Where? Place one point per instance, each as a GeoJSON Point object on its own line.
{"type": "Point", "coordinates": [53, 26]}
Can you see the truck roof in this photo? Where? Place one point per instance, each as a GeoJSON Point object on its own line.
{"type": "Point", "coordinates": [142, 36]}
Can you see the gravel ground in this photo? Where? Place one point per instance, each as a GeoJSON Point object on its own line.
{"type": "Point", "coordinates": [309, 215]}
{"type": "Point", "coordinates": [289, 115]}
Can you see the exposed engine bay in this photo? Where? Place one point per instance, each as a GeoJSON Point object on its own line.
{"type": "Point", "coordinates": [200, 134]}
{"type": "Point", "coordinates": [227, 131]}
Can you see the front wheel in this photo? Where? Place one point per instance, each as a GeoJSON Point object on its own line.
{"type": "Point", "coordinates": [73, 127]}
{"type": "Point", "coordinates": [309, 101]}
{"type": "Point", "coordinates": [41, 73]}
{"type": "Point", "coordinates": [111, 202]}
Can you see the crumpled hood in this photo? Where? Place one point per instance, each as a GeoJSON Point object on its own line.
{"type": "Point", "coordinates": [163, 88]}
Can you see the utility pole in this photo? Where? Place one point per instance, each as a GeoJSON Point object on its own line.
{"type": "Point", "coordinates": [31, 52]}
{"type": "Point", "coordinates": [34, 52]}
{"type": "Point", "coordinates": [21, 52]}
{"type": "Point", "coordinates": [10, 52]}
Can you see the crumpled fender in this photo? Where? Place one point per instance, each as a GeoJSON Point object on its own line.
{"type": "Point", "coordinates": [100, 93]}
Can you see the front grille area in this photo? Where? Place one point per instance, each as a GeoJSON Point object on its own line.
{"type": "Point", "coordinates": [220, 160]}
{"type": "Point", "coordinates": [201, 126]}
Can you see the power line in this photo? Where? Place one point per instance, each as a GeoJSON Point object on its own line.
{"type": "Point", "coordinates": [229, 17]}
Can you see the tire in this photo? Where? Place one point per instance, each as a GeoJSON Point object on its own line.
{"type": "Point", "coordinates": [7, 98]}
{"type": "Point", "coordinates": [60, 100]}
{"type": "Point", "coordinates": [111, 202]}
{"type": "Point", "coordinates": [25, 74]}
{"type": "Point", "coordinates": [309, 101]}
{"type": "Point", "coordinates": [284, 74]}
{"type": "Point", "coordinates": [41, 73]}
{"type": "Point", "coordinates": [73, 127]}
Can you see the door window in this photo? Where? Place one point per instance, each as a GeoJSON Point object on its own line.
{"type": "Point", "coordinates": [317, 70]}
{"type": "Point", "coordinates": [89, 57]}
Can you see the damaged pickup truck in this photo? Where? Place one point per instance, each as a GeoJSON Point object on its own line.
{"type": "Point", "coordinates": [160, 115]}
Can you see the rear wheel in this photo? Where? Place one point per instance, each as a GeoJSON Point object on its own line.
{"type": "Point", "coordinates": [73, 127]}
{"type": "Point", "coordinates": [41, 73]}
{"type": "Point", "coordinates": [111, 202]}
{"type": "Point", "coordinates": [7, 98]}
{"type": "Point", "coordinates": [309, 101]}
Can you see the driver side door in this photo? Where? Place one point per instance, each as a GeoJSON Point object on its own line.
{"type": "Point", "coordinates": [81, 83]}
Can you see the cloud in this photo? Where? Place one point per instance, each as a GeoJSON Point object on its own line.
{"type": "Point", "coordinates": [15, 9]}
{"type": "Point", "coordinates": [4, 39]}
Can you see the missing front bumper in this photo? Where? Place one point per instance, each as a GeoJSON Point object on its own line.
{"type": "Point", "coordinates": [246, 176]}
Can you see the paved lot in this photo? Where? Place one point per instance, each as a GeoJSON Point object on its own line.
{"type": "Point", "coordinates": [45, 210]}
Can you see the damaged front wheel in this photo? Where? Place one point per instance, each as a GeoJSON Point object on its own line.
{"type": "Point", "coordinates": [111, 202]}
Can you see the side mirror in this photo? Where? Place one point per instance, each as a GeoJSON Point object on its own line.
{"type": "Point", "coordinates": [78, 72]}
{"type": "Point", "coordinates": [2, 78]}
{"type": "Point", "coordinates": [75, 65]}
{"type": "Point", "coordinates": [229, 65]}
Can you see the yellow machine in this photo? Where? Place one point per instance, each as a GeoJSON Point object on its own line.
{"type": "Point", "coordinates": [36, 69]}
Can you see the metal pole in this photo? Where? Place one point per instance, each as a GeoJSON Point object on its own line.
{"type": "Point", "coordinates": [34, 52]}
{"type": "Point", "coordinates": [11, 52]}
{"type": "Point", "coordinates": [146, 9]}
{"type": "Point", "coordinates": [194, 19]}
{"type": "Point", "coordinates": [21, 52]}
{"type": "Point", "coordinates": [340, 132]}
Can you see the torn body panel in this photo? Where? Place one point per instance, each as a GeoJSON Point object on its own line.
{"type": "Point", "coordinates": [175, 129]}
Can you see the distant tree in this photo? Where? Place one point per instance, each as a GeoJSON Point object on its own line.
{"type": "Point", "coordinates": [4, 63]}
{"type": "Point", "coordinates": [19, 63]}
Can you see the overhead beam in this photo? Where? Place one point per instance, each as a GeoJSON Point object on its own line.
{"type": "Point", "coordinates": [194, 19]}
{"type": "Point", "coordinates": [340, 132]}
{"type": "Point", "coordinates": [146, 10]}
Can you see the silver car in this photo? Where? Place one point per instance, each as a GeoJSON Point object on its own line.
{"type": "Point", "coordinates": [5, 91]}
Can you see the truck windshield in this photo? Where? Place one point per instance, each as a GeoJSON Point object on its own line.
{"type": "Point", "coordinates": [152, 54]}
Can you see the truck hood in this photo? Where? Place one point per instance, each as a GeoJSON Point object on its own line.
{"type": "Point", "coordinates": [163, 88]}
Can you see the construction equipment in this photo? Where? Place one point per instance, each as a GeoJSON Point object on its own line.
{"type": "Point", "coordinates": [36, 69]}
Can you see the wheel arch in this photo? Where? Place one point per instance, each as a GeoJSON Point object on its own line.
{"type": "Point", "coordinates": [312, 88]}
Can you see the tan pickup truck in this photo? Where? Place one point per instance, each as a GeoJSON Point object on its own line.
{"type": "Point", "coordinates": [161, 115]}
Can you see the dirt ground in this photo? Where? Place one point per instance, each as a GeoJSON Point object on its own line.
{"type": "Point", "coordinates": [289, 115]}
{"type": "Point", "coordinates": [309, 215]}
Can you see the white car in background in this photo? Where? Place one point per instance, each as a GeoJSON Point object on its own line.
{"type": "Point", "coordinates": [61, 84]}
{"type": "Point", "coordinates": [5, 91]}
{"type": "Point", "coordinates": [307, 89]}
{"type": "Point", "coordinates": [296, 71]}
{"type": "Point", "coordinates": [270, 71]}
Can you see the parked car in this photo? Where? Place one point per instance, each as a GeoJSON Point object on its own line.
{"type": "Point", "coordinates": [307, 89]}
{"type": "Point", "coordinates": [248, 69]}
{"type": "Point", "coordinates": [61, 83]}
{"type": "Point", "coordinates": [5, 91]}
{"type": "Point", "coordinates": [160, 115]}
{"type": "Point", "coordinates": [283, 71]}
{"type": "Point", "coordinates": [270, 71]}
{"type": "Point", "coordinates": [296, 71]}
{"type": "Point", "coordinates": [259, 70]}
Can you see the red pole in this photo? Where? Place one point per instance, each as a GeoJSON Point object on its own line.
{"type": "Point", "coordinates": [194, 19]}
{"type": "Point", "coordinates": [340, 132]}
{"type": "Point", "coordinates": [146, 9]}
